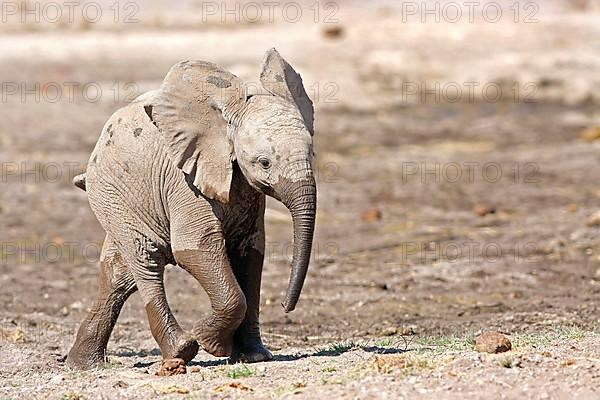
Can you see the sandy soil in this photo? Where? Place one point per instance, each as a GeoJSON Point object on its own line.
{"type": "Point", "coordinates": [405, 273]}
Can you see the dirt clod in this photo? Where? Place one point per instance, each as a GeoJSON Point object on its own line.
{"type": "Point", "coordinates": [233, 385]}
{"type": "Point", "coordinates": [591, 134]}
{"type": "Point", "coordinates": [168, 389]}
{"type": "Point", "coordinates": [333, 32]}
{"type": "Point", "coordinates": [594, 219]}
{"type": "Point", "coordinates": [13, 335]}
{"type": "Point", "coordinates": [173, 366]}
{"type": "Point", "coordinates": [389, 331]}
{"type": "Point", "coordinates": [121, 384]}
{"type": "Point", "coordinates": [492, 342]}
{"type": "Point", "coordinates": [371, 215]}
{"type": "Point", "coordinates": [387, 363]}
{"type": "Point", "coordinates": [483, 209]}
{"type": "Point", "coordinates": [408, 330]}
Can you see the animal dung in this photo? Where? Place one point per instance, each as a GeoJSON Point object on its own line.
{"type": "Point", "coordinates": [492, 342]}
{"type": "Point", "coordinates": [590, 134]}
{"type": "Point", "coordinates": [172, 366]}
{"type": "Point", "coordinates": [333, 32]}
{"type": "Point", "coordinates": [371, 215]}
{"type": "Point", "coordinates": [594, 220]}
{"type": "Point", "coordinates": [483, 209]}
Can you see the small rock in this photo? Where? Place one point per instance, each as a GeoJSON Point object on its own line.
{"type": "Point", "coordinates": [581, 5]}
{"type": "Point", "coordinates": [121, 384]}
{"type": "Point", "coordinates": [389, 331]}
{"type": "Point", "coordinates": [408, 330]}
{"type": "Point", "coordinates": [168, 389]}
{"type": "Point", "coordinates": [387, 363]}
{"type": "Point", "coordinates": [509, 362]}
{"type": "Point", "coordinates": [333, 32]}
{"type": "Point", "coordinates": [483, 209]}
{"type": "Point", "coordinates": [594, 219]}
{"type": "Point", "coordinates": [371, 215]}
{"type": "Point", "coordinates": [233, 385]}
{"type": "Point", "coordinates": [492, 342]}
{"type": "Point", "coordinates": [516, 363]}
{"type": "Point", "coordinates": [173, 366]}
{"type": "Point", "coordinates": [572, 207]}
{"type": "Point", "coordinates": [590, 134]}
{"type": "Point", "coordinates": [569, 362]}
{"type": "Point", "coordinates": [195, 369]}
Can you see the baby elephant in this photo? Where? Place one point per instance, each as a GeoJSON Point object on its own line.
{"type": "Point", "coordinates": [179, 176]}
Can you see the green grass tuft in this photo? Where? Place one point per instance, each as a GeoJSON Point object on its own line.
{"type": "Point", "coordinates": [71, 396]}
{"type": "Point", "coordinates": [239, 371]}
{"type": "Point", "coordinates": [335, 349]}
{"type": "Point", "coordinates": [446, 343]}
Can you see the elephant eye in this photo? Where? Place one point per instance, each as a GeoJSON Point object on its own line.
{"type": "Point", "coordinates": [264, 162]}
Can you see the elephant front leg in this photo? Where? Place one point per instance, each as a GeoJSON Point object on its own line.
{"type": "Point", "coordinates": [247, 262]}
{"type": "Point", "coordinates": [146, 263]}
{"type": "Point", "coordinates": [209, 265]}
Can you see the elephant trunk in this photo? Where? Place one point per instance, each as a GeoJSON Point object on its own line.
{"type": "Point", "coordinates": [300, 197]}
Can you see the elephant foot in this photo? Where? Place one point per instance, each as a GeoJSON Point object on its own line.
{"type": "Point", "coordinates": [215, 341]}
{"type": "Point", "coordinates": [83, 359]}
{"type": "Point", "coordinates": [185, 350]}
{"type": "Point", "coordinates": [251, 353]}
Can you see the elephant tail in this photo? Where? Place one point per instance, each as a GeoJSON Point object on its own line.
{"type": "Point", "coordinates": [79, 181]}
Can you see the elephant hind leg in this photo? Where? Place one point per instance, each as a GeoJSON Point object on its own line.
{"type": "Point", "coordinates": [147, 263]}
{"type": "Point", "coordinates": [115, 285]}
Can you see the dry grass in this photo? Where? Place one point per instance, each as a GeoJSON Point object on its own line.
{"type": "Point", "coordinates": [14, 334]}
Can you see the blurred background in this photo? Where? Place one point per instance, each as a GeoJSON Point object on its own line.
{"type": "Point", "coordinates": [457, 152]}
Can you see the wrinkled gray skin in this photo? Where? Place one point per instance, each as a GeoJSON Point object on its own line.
{"type": "Point", "coordinates": [180, 176]}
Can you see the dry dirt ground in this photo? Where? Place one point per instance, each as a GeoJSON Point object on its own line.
{"type": "Point", "coordinates": [405, 272]}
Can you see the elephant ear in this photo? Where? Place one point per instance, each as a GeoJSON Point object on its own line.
{"type": "Point", "coordinates": [192, 109]}
{"type": "Point", "coordinates": [279, 78]}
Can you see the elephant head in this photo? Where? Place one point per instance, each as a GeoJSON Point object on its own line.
{"type": "Point", "coordinates": [210, 121]}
